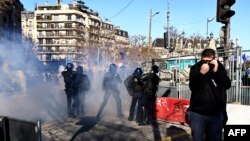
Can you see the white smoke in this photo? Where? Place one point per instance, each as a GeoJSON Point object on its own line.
{"type": "Point", "coordinates": [25, 94]}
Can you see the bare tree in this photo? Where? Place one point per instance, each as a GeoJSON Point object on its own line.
{"type": "Point", "coordinates": [137, 40]}
{"type": "Point", "coordinates": [174, 33]}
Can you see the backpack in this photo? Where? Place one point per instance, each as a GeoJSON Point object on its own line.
{"type": "Point", "coordinates": [128, 84]}
{"type": "Point", "coordinates": [86, 83]}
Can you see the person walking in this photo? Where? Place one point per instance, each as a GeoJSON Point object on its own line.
{"type": "Point", "coordinates": [110, 87]}
{"type": "Point", "coordinates": [208, 82]}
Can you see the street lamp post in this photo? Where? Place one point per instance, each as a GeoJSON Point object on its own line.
{"type": "Point", "coordinates": [150, 24]}
{"type": "Point", "coordinates": [207, 24]}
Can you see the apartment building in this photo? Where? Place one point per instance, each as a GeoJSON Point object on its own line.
{"type": "Point", "coordinates": [10, 19]}
{"type": "Point", "coordinates": [28, 22]}
{"type": "Point", "coordinates": [63, 31]}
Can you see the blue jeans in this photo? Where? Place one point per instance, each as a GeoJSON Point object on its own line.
{"type": "Point", "coordinates": [206, 128]}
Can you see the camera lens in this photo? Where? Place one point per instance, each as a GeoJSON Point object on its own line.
{"type": "Point", "coordinates": [211, 66]}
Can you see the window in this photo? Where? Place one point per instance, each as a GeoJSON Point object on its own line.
{"type": "Point", "coordinates": [49, 34]}
{"type": "Point", "coordinates": [69, 33]}
{"type": "Point", "coordinates": [69, 17]}
{"type": "Point", "coordinates": [31, 16]}
{"type": "Point", "coordinates": [78, 18]}
{"type": "Point", "coordinates": [48, 41]}
{"type": "Point", "coordinates": [48, 17]}
{"type": "Point", "coordinates": [40, 34]}
{"type": "Point", "coordinates": [68, 25]}
{"type": "Point", "coordinates": [56, 17]}
{"type": "Point", "coordinates": [40, 41]}
{"type": "Point", "coordinates": [30, 24]}
{"type": "Point", "coordinates": [56, 33]}
{"type": "Point", "coordinates": [56, 25]}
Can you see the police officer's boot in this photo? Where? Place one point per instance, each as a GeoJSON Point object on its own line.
{"type": "Point", "coordinates": [130, 117]}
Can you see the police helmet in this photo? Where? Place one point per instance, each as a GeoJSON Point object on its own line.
{"type": "Point", "coordinates": [138, 71]}
{"type": "Point", "coordinates": [69, 66]}
{"type": "Point", "coordinates": [79, 69]}
{"type": "Point", "coordinates": [155, 69]}
{"type": "Point", "coordinates": [112, 68]}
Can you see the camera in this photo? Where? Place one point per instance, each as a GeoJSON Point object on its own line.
{"type": "Point", "coordinates": [211, 66]}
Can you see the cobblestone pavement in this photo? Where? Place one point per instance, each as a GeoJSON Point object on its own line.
{"type": "Point", "coordinates": [112, 129]}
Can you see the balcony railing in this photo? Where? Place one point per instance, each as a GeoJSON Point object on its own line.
{"type": "Point", "coordinates": [59, 52]}
{"type": "Point", "coordinates": [56, 44]}
{"type": "Point", "coordinates": [59, 36]}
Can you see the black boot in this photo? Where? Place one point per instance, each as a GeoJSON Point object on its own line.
{"type": "Point", "coordinates": [130, 118]}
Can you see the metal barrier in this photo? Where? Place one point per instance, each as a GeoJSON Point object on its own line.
{"type": "Point", "coordinates": [176, 78]}
{"type": "Point", "coordinates": [18, 130]}
{"type": "Point", "coordinates": [182, 91]}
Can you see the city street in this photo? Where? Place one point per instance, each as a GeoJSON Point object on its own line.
{"type": "Point", "coordinates": [107, 129]}
{"type": "Point", "coordinates": [69, 58]}
{"type": "Point", "coordinates": [112, 128]}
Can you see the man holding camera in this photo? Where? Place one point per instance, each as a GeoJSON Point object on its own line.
{"type": "Point", "coordinates": [207, 111]}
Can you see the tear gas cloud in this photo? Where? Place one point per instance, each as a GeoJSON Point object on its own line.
{"type": "Point", "coordinates": [24, 94]}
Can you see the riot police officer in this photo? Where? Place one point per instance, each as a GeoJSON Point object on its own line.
{"type": "Point", "coordinates": [136, 85]}
{"type": "Point", "coordinates": [82, 83]}
{"type": "Point", "coordinates": [110, 87]}
{"type": "Point", "coordinates": [69, 77]}
{"type": "Point", "coordinates": [151, 81]}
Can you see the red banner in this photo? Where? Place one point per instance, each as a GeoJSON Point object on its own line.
{"type": "Point", "coordinates": [171, 109]}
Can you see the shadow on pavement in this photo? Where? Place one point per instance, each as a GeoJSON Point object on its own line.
{"type": "Point", "coordinates": [177, 134]}
{"type": "Point", "coordinates": [87, 123]}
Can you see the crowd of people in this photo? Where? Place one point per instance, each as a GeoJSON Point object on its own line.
{"type": "Point", "coordinates": [208, 82]}
{"type": "Point", "coordinates": [143, 88]}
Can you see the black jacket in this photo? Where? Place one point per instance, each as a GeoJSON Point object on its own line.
{"type": "Point", "coordinates": [111, 81]}
{"type": "Point", "coordinates": [137, 84]}
{"type": "Point", "coordinates": [82, 82]}
{"type": "Point", "coordinates": [208, 91]}
{"type": "Point", "coordinates": [151, 81]}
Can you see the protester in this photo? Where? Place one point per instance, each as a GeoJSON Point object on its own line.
{"type": "Point", "coordinates": [208, 82]}
{"type": "Point", "coordinates": [246, 78]}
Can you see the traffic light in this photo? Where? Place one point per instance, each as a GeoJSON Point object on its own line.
{"type": "Point", "coordinates": [165, 40]}
{"type": "Point", "coordinates": [170, 47]}
{"type": "Point", "coordinates": [224, 12]}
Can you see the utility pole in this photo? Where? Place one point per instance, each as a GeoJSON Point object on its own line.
{"type": "Point", "coordinates": [150, 26]}
{"type": "Point", "coordinates": [149, 32]}
{"type": "Point", "coordinates": [168, 28]}
{"type": "Point", "coordinates": [207, 25]}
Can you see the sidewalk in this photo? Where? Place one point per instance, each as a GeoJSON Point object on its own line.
{"type": "Point", "coordinates": [111, 128]}
{"type": "Point", "coordinates": [89, 128]}
{"type": "Point", "coordinates": [238, 114]}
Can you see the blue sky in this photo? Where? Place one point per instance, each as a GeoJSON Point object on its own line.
{"type": "Point", "coordinates": [189, 16]}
